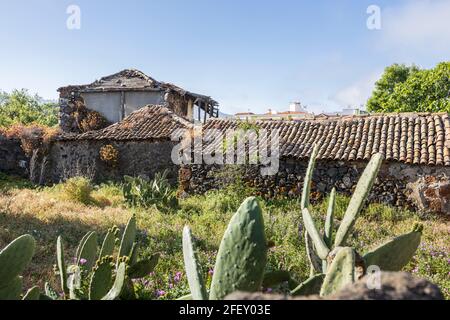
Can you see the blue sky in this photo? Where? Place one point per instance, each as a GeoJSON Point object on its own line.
{"type": "Point", "coordinates": [251, 54]}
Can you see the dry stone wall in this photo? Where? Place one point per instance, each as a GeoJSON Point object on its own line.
{"type": "Point", "coordinates": [135, 158]}
{"type": "Point", "coordinates": [12, 157]}
{"type": "Point", "coordinates": [424, 188]}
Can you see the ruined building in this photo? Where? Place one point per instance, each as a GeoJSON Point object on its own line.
{"type": "Point", "coordinates": [114, 97]}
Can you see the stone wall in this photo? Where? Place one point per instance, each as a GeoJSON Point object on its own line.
{"type": "Point", "coordinates": [12, 157]}
{"type": "Point", "coordinates": [136, 158]}
{"type": "Point", "coordinates": [423, 188]}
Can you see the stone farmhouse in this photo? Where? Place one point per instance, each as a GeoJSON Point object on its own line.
{"type": "Point", "coordinates": [116, 96]}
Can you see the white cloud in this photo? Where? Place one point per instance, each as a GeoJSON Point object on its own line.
{"type": "Point", "coordinates": [417, 25]}
{"type": "Point", "coordinates": [357, 93]}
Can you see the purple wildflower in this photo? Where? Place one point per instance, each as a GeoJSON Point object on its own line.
{"type": "Point", "coordinates": [83, 261]}
{"type": "Point", "coordinates": [211, 272]}
{"type": "Point", "coordinates": [160, 293]}
{"type": "Point", "coordinates": [269, 290]}
{"type": "Point", "coordinates": [177, 277]}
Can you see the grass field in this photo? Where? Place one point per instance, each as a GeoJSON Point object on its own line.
{"type": "Point", "coordinates": [48, 212]}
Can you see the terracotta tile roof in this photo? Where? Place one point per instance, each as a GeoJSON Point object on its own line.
{"type": "Point", "coordinates": [414, 138]}
{"type": "Point", "coordinates": [148, 123]}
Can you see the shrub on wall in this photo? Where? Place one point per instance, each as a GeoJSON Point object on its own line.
{"type": "Point", "coordinates": [32, 137]}
{"type": "Point", "coordinates": [109, 155]}
{"type": "Point", "coordinates": [93, 120]}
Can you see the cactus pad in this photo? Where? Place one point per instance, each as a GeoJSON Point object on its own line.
{"type": "Point", "coordinates": [101, 279]}
{"type": "Point", "coordinates": [128, 238]}
{"type": "Point", "coordinates": [143, 268]}
{"type": "Point", "coordinates": [12, 289]}
{"type": "Point", "coordinates": [358, 199]}
{"type": "Point", "coordinates": [108, 245]}
{"type": "Point", "coordinates": [192, 267]}
{"type": "Point", "coordinates": [32, 294]}
{"type": "Point", "coordinates": [242, 253]}
{"type": "Point", "coordinates": [310, 286]}
{"type": "Point", "coordinates": [117, 287]}
{"type": "Point", "coordinates": [341, 272]}
{"type": "Point", "coordinates": [88, 252]}
{"type": "Point", "coordinates": [396, 253]}
{"type": "Point", "coordinates": [328, 236]}
{"type": "Point", "coordinates": [320, 246]}
{"type": "Point", "coordinates": [15, 257]}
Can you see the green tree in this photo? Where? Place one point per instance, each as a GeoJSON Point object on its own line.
{"type": "Point", "coordinates": [410, 89]}
{"type": "Point", "coordinates": [20, 107]}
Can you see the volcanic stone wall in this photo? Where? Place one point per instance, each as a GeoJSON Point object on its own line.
{"type": "Point", "coordinates": [136, 158]}
{"type": "Point", "coordinates": [12, 157]}
{"type": "Point", "coordinates": [425, 188]}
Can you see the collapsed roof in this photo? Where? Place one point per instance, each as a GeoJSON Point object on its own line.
{"type": "Point", "coordinates": [135, 80]}
{"type": "Point", "coordinates": [153, 122]}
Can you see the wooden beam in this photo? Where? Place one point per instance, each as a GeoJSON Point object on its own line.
{"type": "Point", "coordinates": [206, 111]}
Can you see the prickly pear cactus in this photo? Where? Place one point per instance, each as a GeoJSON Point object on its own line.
{"type": "Point", "coordinates": [321, 248]}
{"type": "Point", "coordinates": [242, 253]}
{"type": "Point", "coordinates": [108, 244]}
{"type": "Point", "coordinates": [61, 266]}
{"type": "Point", "coordinates": [341, 272]}
{"type": "Point", "coordinates": [396, 253]}
{"type": "Point", "coordinates": [358, 199]}
{"type": "Point", "coordinates": [128, 238]}
{"type": "Point", "coordinates": [314, 260]}
{"type": "Point", "coordinates": [310, 286]}
{"type": "Point", "coordinates": [304, 202]}
{"type": "Point", "coordinates": [143, 268]}
{"type": "Point", "coordinates": [116, 290]}
{"type": "Point", "coordinates": [328, 236]}
{"type": "Point", "coordinates": [192, 267]}
{"type": "Point", "coordinates": [32, 294]}
{"type": "Point", "coordinates": [101, 279]}
{"type": "Point", "coordinates": [14, 258]}
{"type": "Point", "coordinates": [88, 252]}
{"type": "Point", "coordinates": [12, 289]}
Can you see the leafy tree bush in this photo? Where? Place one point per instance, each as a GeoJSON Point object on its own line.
{"type": "Point", "coordinates": [20, 107]}
{"type": "Point", "coordinates": [410, 89]}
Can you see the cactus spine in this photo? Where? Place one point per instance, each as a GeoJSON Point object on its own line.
{"type": "Point", "coordinates": [192, 267]}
